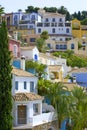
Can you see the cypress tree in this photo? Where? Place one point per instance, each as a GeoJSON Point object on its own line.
{"type": "Point", "coordinates": [5, 81]}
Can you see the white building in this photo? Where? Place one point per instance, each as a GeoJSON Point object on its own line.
{"type": "Point", "coordinates": [27, 104]}
{"type": "Point", "coordinates": [55, 25]}
{"type": "Point", "coordinates": [30, 53]}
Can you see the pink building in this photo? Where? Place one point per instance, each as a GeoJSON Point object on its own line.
{"type": "Point", "coordinates": [14, 47]}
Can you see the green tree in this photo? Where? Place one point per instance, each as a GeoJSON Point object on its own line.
{"type": "Point", "coordinates": [79, 113]}
{"type": "Point", "coordinates": [40, 43]}
{"type": "Point", "coordinates": [1, 12]}
{"type": "Point", "coordinates": [50, 9]}
{"type": "Point", "coordinates": [68, 17]}
{"type": "Point", "coordinates": [5, 81]}
{"type": "Point", "coordinates": [62, 10]}
{"type": "Point", "coordinates": [56, 93]}
{"type": "Point", "coordinates": [44, 35]}
{"type": "Point", "coordinates": [39, 68]}
{"type": "Point", "coordinates": [84, 21]}
{"type": "Point", "coordinates": [31, 9]}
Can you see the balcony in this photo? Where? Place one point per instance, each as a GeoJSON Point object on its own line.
{"type": "Point", "coordinates": [46, 24]}
{"type": "Point", "coordinates": [39, 24]}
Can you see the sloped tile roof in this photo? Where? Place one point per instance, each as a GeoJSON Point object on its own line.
{"type": "Point", "coordinates": [54, 67]}
{"type": "Point", "coordinates": [22, 73]}
{"type": "Point", "coordinates": [52, 15]}
{"type": "Point", "coordinates": [27, 48]}
{"type": "Point", "coordinates": [79, 70]}
{"type": "Point", "coordinates": [27, 97]}
{"type": "Point", "coordinates": [70, 86]}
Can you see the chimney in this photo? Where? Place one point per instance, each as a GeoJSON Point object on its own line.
{"type": "Point", "coordinates": [23, 62]}
{"type": "Point", "coordinates": [15, 35]}
{"type": "Point", "coordinates": [74, 79]}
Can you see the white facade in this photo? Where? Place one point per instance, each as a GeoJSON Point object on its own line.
{"type": "Point", "coordinates": [27, 104]}
{"type": "Point", "coordinates": [55, 24]}
{"type": "Point", "coordinates": [30, 53]}
{"type": "Point", "coordinates": [24, 80]}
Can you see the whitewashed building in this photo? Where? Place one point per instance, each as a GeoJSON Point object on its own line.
{"type": "Point", "coordinates": [30, 53]}
{"type": "Point", "coordinates": [56, 26]}
{"type": "Point", "coordinates": [27, 104]}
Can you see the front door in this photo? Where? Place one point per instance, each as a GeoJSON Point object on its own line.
{"type": "Point", "coordinates": [22, 114]}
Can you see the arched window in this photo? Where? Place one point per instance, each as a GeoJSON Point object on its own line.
{"type": "Point", "coordinates": [35, 57]}
{"type": "Point", "coordinates": [15, 50]}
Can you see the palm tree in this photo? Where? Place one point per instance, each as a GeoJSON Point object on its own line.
{"type": "Point", "coordinates": [79, 111]}
{"type": "Point", "coordinates": [57, 95]}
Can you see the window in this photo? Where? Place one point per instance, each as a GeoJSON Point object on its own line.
{"type": "Point", "coordinates": [67, 30]}
{"type": "Point", "coordinates": [25, 85]}
{"type": "Point", "coordinates": [32, 39]}
{"type": "Point", "coordinates": [61, 39]}
{"type": "Point", "coordinates": [46, 20]}
{"type": "Point", "coordinates": [25, 40]}
{"type": "Point", "coordinates": [33, 17]}
{"type": "Point", "coordinates": [53, 30]}
{"type": "Point", "coordinates": [15, 50]}
{"type": "Point", "coordinates": [53, 20]}
{"type": "Point", "coordinates": [39, 30]}
{"type": "Point", "coordinates": [15, 19]}
{"type": "Point", "coordinates": [49, 45]}
{"type": "Point", "coordinates": [60, 19]}
{"type": "Point", "coordinates": [16, 85]}
{"type": "Point", "coordinates": [31, 86]}
{"type": "Point", "coordinates": [61, 46]}
{"type": "Point", "coordinates": [57, 47]}
{"type": "Point", "coordinates": [35, 57]}
{"type": "Point", "coordinates": [35, 108]}
{"type": "Point", "coordinates": [72, 46]}
{"type": "Point", "coordinates": [65, 46]}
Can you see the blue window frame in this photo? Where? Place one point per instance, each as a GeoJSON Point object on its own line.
{"type": "Point", "coordinates": [39, 30]}
{"type": "Point", "coordinates": [72, 46]}
{"type": "Point", "coordinates": [32, 39]}
{"type": "Point", "coordinates": [65, 46]}
{"type": "Point", "coordinates": [57, 46]}
{"type": "Point", "coordinates": [16, 85]}
{"type": "Point", "coordinates": [25, 85]}
{"type": "Point", "coordinates": [67, 30]}
{"type": "Point", "coordinates": [31, 86]}
{"type": "Point", "coordinates": [53, 30]}
{"type": "Point", "coordinates": [35, 57]}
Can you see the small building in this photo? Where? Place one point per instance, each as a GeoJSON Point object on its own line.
{"type": "Point", "coordinates": [30, 53]}
{"type": "Point", "coordinates": [14, 47]}
{"type": "Point", "coordinates": [27, 104]}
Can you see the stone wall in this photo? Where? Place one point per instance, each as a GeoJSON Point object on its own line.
{"type": "Point", "coordinates": [46, 126]}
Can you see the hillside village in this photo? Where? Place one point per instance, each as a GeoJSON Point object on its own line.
{"type": "Point", "coordinates": [30, 110]}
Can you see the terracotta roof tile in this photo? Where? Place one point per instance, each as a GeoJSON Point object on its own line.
{"type": "Point", "coordinates": [27, 97]}
{"type": "Point", "coordinates": [20, 72]}
{"type": "Point", "coordinates": [70, 86]}
{"type": "Point", "coordinates": [27, 48]}
{"type": "Point", "coordinates": [54, 67]}
{"type": "Point", "coordinates": [78, 70]}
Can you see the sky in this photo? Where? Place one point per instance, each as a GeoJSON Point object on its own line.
{"type": "Point", "coordinates": [71, 5]}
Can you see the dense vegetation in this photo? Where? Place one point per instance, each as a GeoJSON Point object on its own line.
{"type": "Point", "coordinates": [69, 105]}
{"type": "Point", "coordinates": [5, 81]}
{"type": "Point", "coordinates": [72, 59]}
{"type": "Point", "coordinates": [39, 69]}
{"type": "Point", "coordinates": [80, 15]}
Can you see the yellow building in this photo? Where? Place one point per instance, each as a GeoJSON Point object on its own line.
{"type": "Point", "coordinates": [78, 30]}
